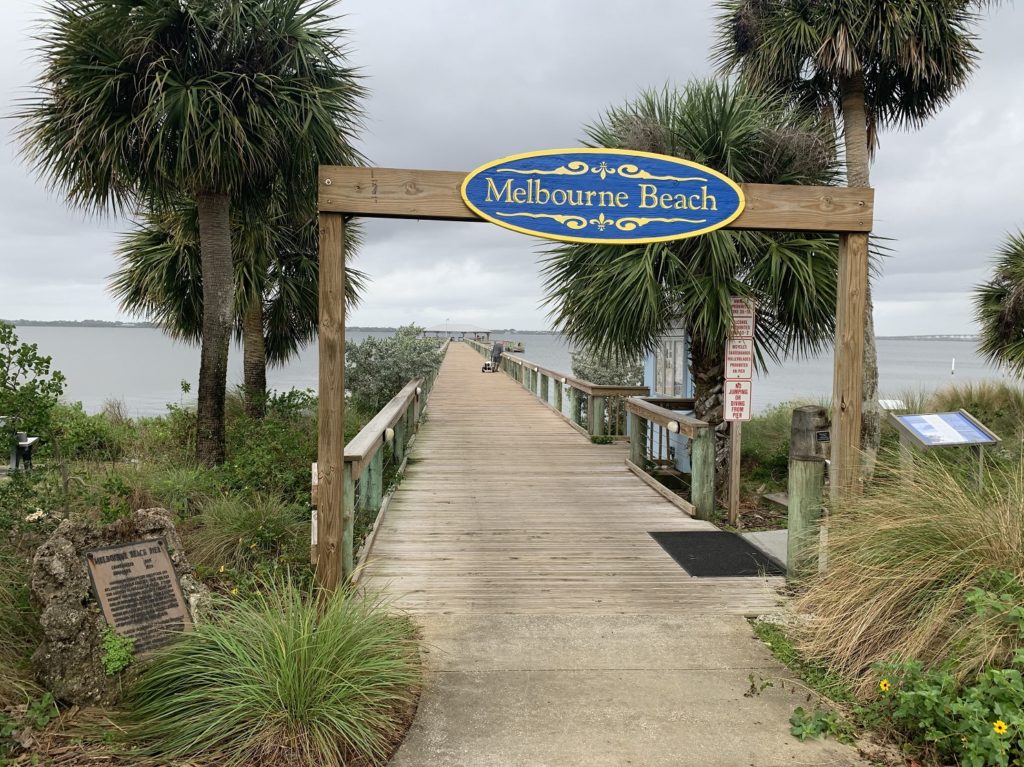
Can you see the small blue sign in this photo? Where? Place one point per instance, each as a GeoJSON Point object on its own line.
{"type": "Point", "coordinates": [602, 195]}
{"type": "Point", "coordinates": [947, 429]}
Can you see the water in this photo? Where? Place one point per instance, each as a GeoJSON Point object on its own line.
{"type": "Point", "coordinates": [144, 369]}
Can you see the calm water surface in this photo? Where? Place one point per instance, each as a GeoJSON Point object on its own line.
{"type": "Point", "coordinates": [144, 369]}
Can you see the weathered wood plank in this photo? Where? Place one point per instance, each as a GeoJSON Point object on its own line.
{"type": "Point", "coordinates": [504, 509]}
{"type": "Point", "coordinates": [434, 194]}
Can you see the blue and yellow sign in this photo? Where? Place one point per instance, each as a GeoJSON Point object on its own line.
{"type": "Point", "coordinates": [602, 195]}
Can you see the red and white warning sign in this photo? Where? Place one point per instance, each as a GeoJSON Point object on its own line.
{"type": "Point", "coordinates": [742, 317]}
{"type": "Point", "coordinates": [739, 358]}
{"type": "Point", "coordinates": [737, 400]}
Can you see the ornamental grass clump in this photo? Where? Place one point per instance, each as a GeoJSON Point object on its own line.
{"type": "Point", "coordinates": [904, 562]}
{"type": "Point", "coordinates": [280, 679]}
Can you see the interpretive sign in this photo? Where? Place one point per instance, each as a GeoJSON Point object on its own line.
{"type": "Point", "coordinates": [945, 429]}
{"type": "Point", "coordinates": [602, 195]}
{"type": "Point", "coordinates": [139, 592]}
{"type": "Point", "coordinates": [739, 358]}
{"type": "Point", "coordinates": [737, 400]}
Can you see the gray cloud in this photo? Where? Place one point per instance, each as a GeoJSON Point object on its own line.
{"type": "Point", "coordinates": [459, 83]}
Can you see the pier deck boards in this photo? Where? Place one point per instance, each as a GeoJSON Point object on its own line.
{"type": "Point", "coordinates": [505, 508]}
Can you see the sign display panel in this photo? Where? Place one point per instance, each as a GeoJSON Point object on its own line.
{"type": "Point", "coordinates": [139, 593]}
{"type": "Point", "coordinates": [946, 429]}
{"type": "Point", "coordinates": [739, 358]}
{"type": "Point", "coordinates": [738, 399]}
{"type": "Point", "coordinates": [602, 195]}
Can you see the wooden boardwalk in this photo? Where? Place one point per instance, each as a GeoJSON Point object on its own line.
{"type": "Point", "coordinates": [505, 508]}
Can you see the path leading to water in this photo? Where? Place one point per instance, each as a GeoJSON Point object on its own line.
{"type": "Point", "coordinates": [558, 632]}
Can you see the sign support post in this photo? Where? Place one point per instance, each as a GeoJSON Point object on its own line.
{"type": "Point", "coordinates": [739, 373]}
{"type": "Point", "coordinates": [334, 549]}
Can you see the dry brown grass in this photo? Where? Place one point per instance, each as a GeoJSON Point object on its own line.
{"type": "Point", "coordinates": [902, 559]}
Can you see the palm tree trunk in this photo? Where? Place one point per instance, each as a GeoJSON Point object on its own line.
{"type": "Point", "coordinates": [218, 308]}
{"type": "Point", "coordinates": [858, 173]}
{"type": "Point", "coordinates": [254, 363]}
{"type": "Point", "coordinates": [708, 365]}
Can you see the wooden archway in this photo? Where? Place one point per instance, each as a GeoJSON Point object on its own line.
{"type": "Point", "coordinates": [346, 192]}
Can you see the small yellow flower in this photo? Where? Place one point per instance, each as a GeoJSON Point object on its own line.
{"type": "Point", "coordinates": [999, 726]}
{"type": "Point", "coordinates": [234, 591]}
{"type": "Point", "coordinates": [884, 685]}
{"type": "Point", "coordinates": [220, 569]}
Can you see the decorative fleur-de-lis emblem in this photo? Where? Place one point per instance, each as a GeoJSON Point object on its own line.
{"type": "Point", "coordinates": [602, 222]}
{"type": "Point", "coordinates": [603, 170]}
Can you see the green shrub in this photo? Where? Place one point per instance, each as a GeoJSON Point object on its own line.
{"type": "Point", "coordinates": [279, 680]}
{"type": "Point", "coordinates": [904, 561]}
{"type": "Point", "coordinates": [83, 437]}
{"type": "Point", "coordinates": [376, 369]}
{"type": "Point", "coordinates": [118, 652]}
{"type": "Point", "coordinates": [29, 389]}
{"type": "Point", "coordinates": [979, 724]}
{"type": "Point", "coordinates": [19, 632]}
{"type": "Point", "coordinates": [239, 533]}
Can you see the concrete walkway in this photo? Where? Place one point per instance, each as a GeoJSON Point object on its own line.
{"type": "Point", "coordinates": [558, 633]}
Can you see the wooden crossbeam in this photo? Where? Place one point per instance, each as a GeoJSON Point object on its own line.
{"type": "Point", "coordinates": [434, 194]}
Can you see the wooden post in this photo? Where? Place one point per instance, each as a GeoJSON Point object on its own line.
{"type": "Point", "coordinates": [349, 521]}
{"type": "Point", "coordinates": [735, 444]}
{"type": "Point", "coordinates": [596, 416]}
{"type": "Point", "coordinates": [545, 386]}
{"type": "Point", "coordinates": [331, 405]}
{"type": "Point", "coordinates": [574, 404]}
{"type": "Point", "coordinates": [375, 486]}
{"type": "Point", "coordinates": [806, 490]}
{"type": "Point", "coordinates": [702, 474]}
{"type": "Point", "coordinates": [847, 380]}
{"type": "Point", "coordinates": [637, 439]}
{"type": "Point", "coordinates": [399, 444]}
{"type": "Point", "coordinates": [558, 394]}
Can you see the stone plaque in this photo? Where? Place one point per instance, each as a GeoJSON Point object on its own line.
{"type": "Point", "coordinates": [139, 592]}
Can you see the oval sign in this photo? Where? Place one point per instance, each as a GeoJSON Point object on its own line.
{"type": "Point", "coordinates": [602, 195]}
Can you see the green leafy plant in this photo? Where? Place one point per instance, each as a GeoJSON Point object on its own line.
{"type": "Point", "coordinates": [29, 388]}
{"type": "Point", "coordinates": [376, 369]}
{"type": "Point", "coordinates": [819, 722]}
{"type": "Point", "coordinates": [118, 651]}
{"type": "Point", "coordinates": [279, 678]}
{"type": "Point", "coordinates": [979, 724]}
{"type": "Point", "coordinates": [42, 711]}
{"type": "Point", "coordinates": [602, 439]}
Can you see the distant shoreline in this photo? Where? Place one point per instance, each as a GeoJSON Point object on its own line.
{"type": "Point", "coordinates": [368, 329]}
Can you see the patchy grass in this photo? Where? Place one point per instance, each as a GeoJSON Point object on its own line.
{"type": "Point", "coordinates": [281, 678]}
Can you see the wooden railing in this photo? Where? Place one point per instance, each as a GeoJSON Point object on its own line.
{"type": "Point", "coordinates": [648, 449]}
{"type": "Point", "coordinates": [379, 449]}
{"type": "Point", "coordinates": [592, 409]}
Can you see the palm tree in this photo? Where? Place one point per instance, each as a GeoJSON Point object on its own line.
{"type": "Point", "coordinates": [619, 299]}
{"type": "Point", "coordinates": [873, 64]}
{"type": "Point", "coordinates": [142, 102]}
{"type": "Point", "coordinates": [999, 308]}
{"type": "Point", "coordinates": [276, 282]}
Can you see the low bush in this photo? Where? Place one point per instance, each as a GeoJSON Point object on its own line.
{"type": "Point", "coordinates": [280, 680]}
{"type": "Point", "coordinates": [904, 561]}
{"type": "Point", "coordinates": [239, 533]}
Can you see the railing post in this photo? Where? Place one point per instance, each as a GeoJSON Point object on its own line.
{"type": "Point", "coordinates": [806, 490]}
{"type": "Point", "coordinates": [637, 439]}
{"type": "Point", "coordinates": [558, 394]}
{"type": "Point", "coordinates": [544, 386]}
{"type": "Point", "coordinates": [574, 404]}
{"type": "Point", "coordinates": [348, 520]}
{"type": "Point", "coordinates": [398, 447]}
{"type": "Point", "coordinates": [375, 486]}
{"type": "Point", "coordinates": [596, 412]}
{"type": "Point", "coordinates": [702, 474]}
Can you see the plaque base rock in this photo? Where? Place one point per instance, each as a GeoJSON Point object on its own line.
{"type": "Point", "coordinates": [69, 662]}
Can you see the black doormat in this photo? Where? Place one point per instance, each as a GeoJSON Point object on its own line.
{"type": "Point", "coordinates": [716, 554]}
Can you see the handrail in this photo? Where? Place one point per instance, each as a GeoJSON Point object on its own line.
{"type": "Point", "coordinates": [362, 447]}
{"type": "Point", "coordinates": [587, 387]}
{"type": "Point", "coordinates": [364, 466]}
{"type": "Point", "coordinates": [662, 416]}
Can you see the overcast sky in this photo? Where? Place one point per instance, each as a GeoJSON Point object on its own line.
{"type": "Point", "coordinates": [456, 83]}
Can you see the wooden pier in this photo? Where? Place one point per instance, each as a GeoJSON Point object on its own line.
{"type": "Point", "coordinates": [505, 508]}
